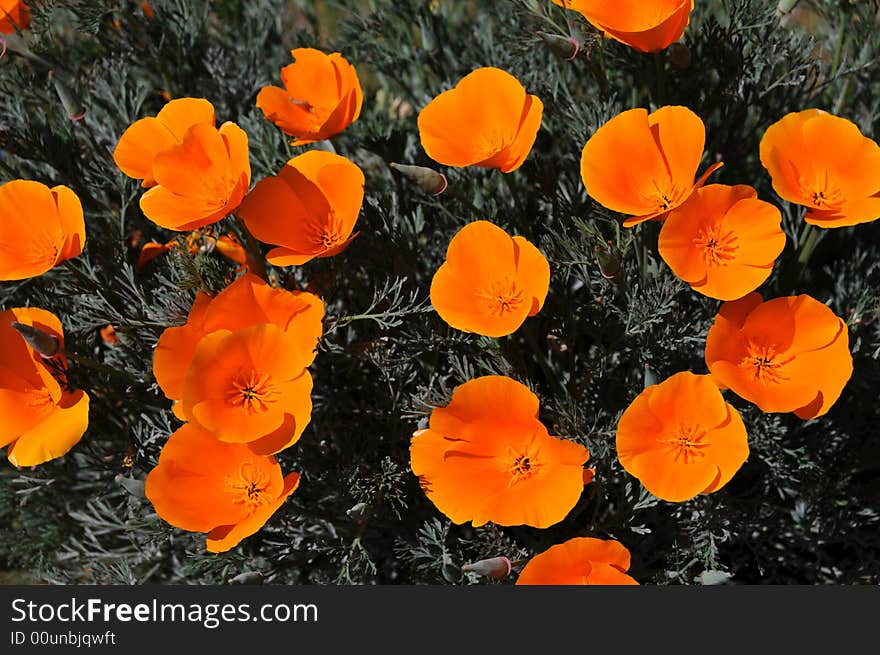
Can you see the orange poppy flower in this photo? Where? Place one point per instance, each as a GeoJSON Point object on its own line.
{"type": "Point", "coordinates": [646, 25]}
{"type": "Point", "coordinates": [487, 457]}
{"type": "Point", "coordinates": [487, 120]}
{"type": "Point", "coordinates": [198, 173]}
{"type": "Point", "coordinates": [249, 385]}
{"type": "Point", "coordinates": [247, 302]}
{"type": "Point", "coordinates": [42, 417]}
{"type": "Point", "coordinates": [788, 354]}
{"type": "Point", "coordinates": [39, 228]}
{"type": "Point", "coordinates": [824, 162]}
{"type": "Point", "coordinates": [204, 485]}
{"type": "Point", "coordinates": [490, 281]}
{"type": "Point", "coordinates": [680, 438]}
{"type": "Point", "coordinates": [144, 139]}
{"type": "Point", "coordinates": [309, 209]}
{"type": "Point", "coordinates": [14, 15]}
{"type": "Point", "coordinates": [644, 164]}
{"type": "Point", "coordinates": [579, 561]}
{"type": "Point", "coordinates": [321, 96]}
{"type": "Point", "coordinates": [723, 241]}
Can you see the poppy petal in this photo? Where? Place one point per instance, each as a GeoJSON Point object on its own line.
{"type": "Point", "coordinates": [56, 435]}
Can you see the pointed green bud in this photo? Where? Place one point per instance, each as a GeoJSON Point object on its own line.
{"type": "Point", "coordinates": [133, 486]}
{"type": "Point", "coordinates": [427, 179]}
{"type": "Point", "coordinates": [248, 577]}
{"type": "Point", "coordinates": [44, 343]}
{"type": "Point", "coordinates": [563, 47]}
{"type": "Point", "coordinates": [785, 6]}
{"type": "Point", "coordinates": [70, 100]}
{"type": "Point", "coordinates": [496, 568]}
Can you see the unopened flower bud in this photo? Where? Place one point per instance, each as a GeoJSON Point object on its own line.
{"type": "Point", "coordinates": [610, 263]}
{"type": "Point", "coordinates": [71, 102]}
{"type": "Point", "coordinates": [44, 343]}
{"type": "Point", "coordinates": [496, 568]}
{"type": "Point", "coordinates": [679, 56]}
{"type": "Point", "coordinates": [358, 512]}
{"type": "Point", "coordinates": [248, 577]}
{"type": "Point", "coordinates": [785, 6]}
{"type": "Point", "coordinates": [429, 38]}
{"type": "Point", "coordinates": [133, 486]}
{"type": "Point", "coordinates": [563, 47]}
{"type": "Point", "coordinates": [451, 573]}
{"type": "Point", "coordinates": [427, 179]}
{"type": "Point", "coordinates": [650, 377]}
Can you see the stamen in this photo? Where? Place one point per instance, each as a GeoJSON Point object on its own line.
{"type": "Point", "coordinates": [502, 297]}
{"type": "Point", "coordinates": [252, 391]}
{"type": "Point", "coordinates": [688, 443]}
{"type": "Point", "coordinates": [719, 247]}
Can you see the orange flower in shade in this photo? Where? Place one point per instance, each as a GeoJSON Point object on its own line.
{"type": "Point", "coordinates": [644, 164]}
{"type": "Point", "coordinates": [247, 303]}
{"type": "Point", "coordinates": [204, 485]}
{"type": "Point", "coordinates": [39, 228]}
{"type": "Point", "coordinates": [824, 162]}
{"type": "Point", "coordinates": [198, 173]}
{"type": "Point", "coordinates": [680, 438]}
{"type": "Point", "coordinates": [579, 561]}
{"type": "Point", "coordinates": [490, 281]}
{"type": "Point", "coordinates": [788, 354]}
{"type": "Point", "coordinates": [487, 457]}
{"type": "Point", "coordinates": [309, 209]}
{"type": "Point", "coordinates": [14, 15]}
{"type": "Point", "coordinates": [321, 96]}
{"type": "Point", "coordinates": [723, 241]}
{"type": "Point", "coordinates": [42, 417]}
{"type": "Point", "coordinates": [646, 25]}
{"type": "Point", "coordinates": [487, 120]}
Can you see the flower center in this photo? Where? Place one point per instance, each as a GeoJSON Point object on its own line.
{"type": "Point", "coordinates": [328, 234]}
{"type": "Point", "coordinates": [249, 486]}
{"type": "Point", "coordinates": [665, 198]}
{"type": "Point", "coordinates": [687, 443]}
{"type": "Point", "coordinates": [763, 364]}
{"type": "Point", "coordinates": [252, 391]}
{"type": "Point", "coordinates": [523, 463]}
{"type": "Point", "coordinates": [39, 399]}
{"type": "Point", "coordinates": [822, 194]}
{"type": "Point", "coordinates": [502, 297]}
{"type": "Point", "coordinates": [718, 247]}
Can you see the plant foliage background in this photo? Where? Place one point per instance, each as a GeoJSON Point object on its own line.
{"type": "Point", "coordinates": [803, 509]}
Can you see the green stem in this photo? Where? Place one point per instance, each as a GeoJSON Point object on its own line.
{"type": "Point", "coordinates": [88, 362]}
{"type": "Point", "coordinates": [841, 39]}
{"type": "Point", "coordinates": [660, 72]}
{"type": "Point", "coordinates": [807, 246]}
{"type": "Point", "coordinates": [253, 247]}
{"type": "Point", "coordinates": [599, 70]}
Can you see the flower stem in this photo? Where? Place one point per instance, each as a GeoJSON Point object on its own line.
{"type": "Point", "coordinates": [810, 238]}
{"type": "Point", "coordinates": [253, 247]}
{"type": "Point", "coordinates": [88, 362]}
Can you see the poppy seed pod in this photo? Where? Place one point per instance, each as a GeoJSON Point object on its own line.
{"type": "Point", "coordinates": [496, 568]}
{"type": "Point", "coordinates": [44, 343]}
{"type": "Point", "coordinates": [427, 179]}
{"type": "Point", "coordinates": [563, 47]}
